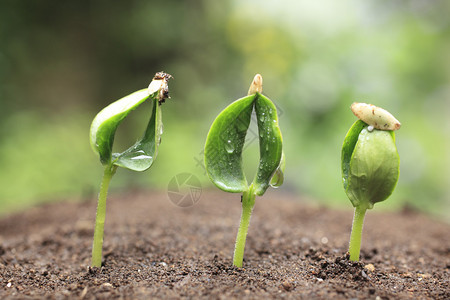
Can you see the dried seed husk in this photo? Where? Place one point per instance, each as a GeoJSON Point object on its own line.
{"type": "Point", "coordinates": [375, 116]}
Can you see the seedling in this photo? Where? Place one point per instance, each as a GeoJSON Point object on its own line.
{"type": "Point", "coordinates": [370, 164]}
{"type": "Point", "coordinates": [138, 157]}
{"type": "Point", "coordinates": [223, 154]}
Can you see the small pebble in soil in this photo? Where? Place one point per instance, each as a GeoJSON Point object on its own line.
{"type": "Point", "coordinates": [364, 275]}
{"type": "Point", "coordinates": [107, 285]}
{"type": "Point", "coordinates": [83, 293]}
{"type": "Point", "coordinates": [369, 267]}
{"type": "Point", "coordinates": [287, 286]}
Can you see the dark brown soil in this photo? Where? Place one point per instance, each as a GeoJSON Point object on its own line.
{"type": "Point", "coordinates": [154, 249]}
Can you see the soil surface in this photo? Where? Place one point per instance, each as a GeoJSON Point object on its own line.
{"type": "Point", "coordinates": [154, 249]}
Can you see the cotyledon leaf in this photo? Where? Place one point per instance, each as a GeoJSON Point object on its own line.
{"type": "Point", "coordinates": [374, 168]}
{"type": "Point", "coordinates": [104, 125]}
{"type": "Point", "coordinates": [224, 144]}
{"type": "Point", "coordinates": [142, 154]}
{"type": "Point", "coordinates": [270, 143]}
{"type": "Point", "coordinates": [347, 148]}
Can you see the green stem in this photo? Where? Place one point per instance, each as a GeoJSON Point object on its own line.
{"type": "Point", "coordinates": [355, 237]}
{"type": "Point", "coordinates": [248, 202]}
{"type": "Point", "coordinates": [100, 217]}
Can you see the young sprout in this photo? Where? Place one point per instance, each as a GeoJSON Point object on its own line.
{"type": "Point", "coordinates": [223, 154]}
{"type": "Point", "coordinates": [138, 157]}
{"type": "Point", "coordinates": [370, 164]}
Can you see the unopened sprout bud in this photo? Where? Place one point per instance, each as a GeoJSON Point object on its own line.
{"type": "Point", "coordinates": [375, 116]}
{"type": "Point", "coordinates": [256, 86]}
{"type": "Point", "coordinates": [370, 164]}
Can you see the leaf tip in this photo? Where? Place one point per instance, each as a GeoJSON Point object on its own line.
{"type": "Point", "coordinates": [256, 86]}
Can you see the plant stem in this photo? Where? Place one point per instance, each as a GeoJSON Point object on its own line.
{"type": "Point", "coordinates": [100, 217]}
{"type": "Point", "coordinates": [355, 237]}
{"type": "Point", "coordinates": [248, 202]}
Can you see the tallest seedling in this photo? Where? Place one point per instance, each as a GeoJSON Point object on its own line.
{"type": "Point", "coordinates": [138, 157]}
{"type": "Point", "coordinates": [223, 154]}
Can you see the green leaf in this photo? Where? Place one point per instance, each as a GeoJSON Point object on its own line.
{"type": "Point", "coordinates": [347, 148]}
{"type": "Point", "coordinates": [374, 168]}
{"type": "Point", "coordinates": [141, 155]}
{"type": "Point", "coordinates": [104, 125]}
{"type": "Point", "coordinates": [270, 143]}
{"type": "Point", "coordinates": [224, 144]}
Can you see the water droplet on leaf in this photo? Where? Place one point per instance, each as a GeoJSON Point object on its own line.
{"type": "Point", "coordinates": [229, 147]}
{"type": "Point", "coordinates": [262, 117]}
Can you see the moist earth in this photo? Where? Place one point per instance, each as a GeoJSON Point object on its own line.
{"type": "Point", "coordinates": [155, 249]}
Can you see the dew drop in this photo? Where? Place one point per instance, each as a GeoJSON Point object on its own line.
{"type": "Point", "coordinates": [262, 117]}
{"type": "Point", "coordinates": [229, 147]}
{"type": "Point", "coordinates": [277, 179]}
{"type": "Point", "coordinates": [141, 157]}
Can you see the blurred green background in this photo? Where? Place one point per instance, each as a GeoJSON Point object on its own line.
{"type": "Point", "coordinates": [62, 61]}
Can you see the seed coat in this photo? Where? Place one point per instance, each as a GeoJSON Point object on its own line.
{"type": "Point", "coordinates": [375, 116]}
